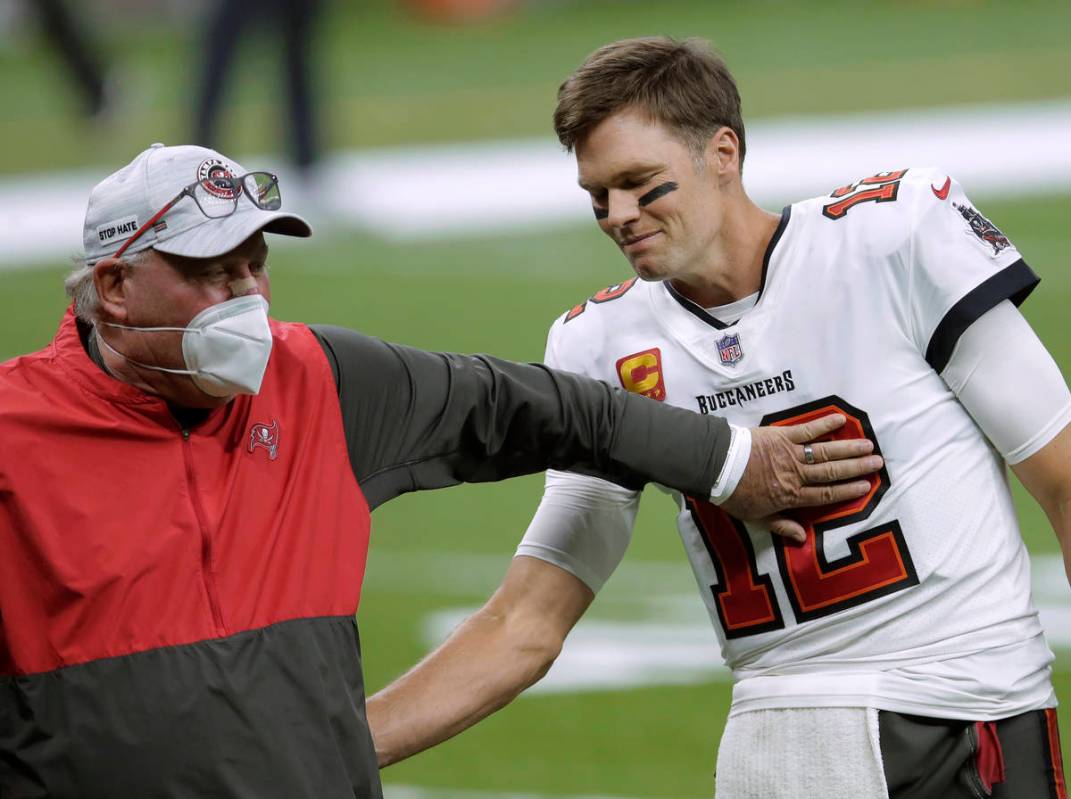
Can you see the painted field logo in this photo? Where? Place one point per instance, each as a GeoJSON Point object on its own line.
{"type": "Point", "coordinates": [641, 373]}
{"type": "Point", "coordinates": [265, 437]}
{"type": "Point", "coordinates": [729, 349]}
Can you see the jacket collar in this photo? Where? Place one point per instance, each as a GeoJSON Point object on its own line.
{"type": "Point", "coordinates": [70, 355]}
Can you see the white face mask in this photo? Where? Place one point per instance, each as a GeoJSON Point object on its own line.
{"type": "Point", "coordinates": [225, 347]}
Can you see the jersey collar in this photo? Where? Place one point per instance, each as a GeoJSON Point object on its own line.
{"type": "Point", "coordinates": [701, 313]}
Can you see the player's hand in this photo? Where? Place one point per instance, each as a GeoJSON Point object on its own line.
{"type": "Point", "coordinates": [778, 476]}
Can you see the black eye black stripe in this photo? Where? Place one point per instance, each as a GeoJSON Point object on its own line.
{"type": "Point", "coordinates": [657, 192]}
{"type": "Point", "coordinates": [648, 198]}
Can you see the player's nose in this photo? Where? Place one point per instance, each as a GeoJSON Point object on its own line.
{"type": "Point", "coordinates": [623, 209]}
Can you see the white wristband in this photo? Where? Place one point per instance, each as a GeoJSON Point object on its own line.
{"type": "Point", "coordinates": [735, 463]}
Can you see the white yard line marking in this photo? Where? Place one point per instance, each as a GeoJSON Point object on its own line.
{"type": "Point", "coordinates": [484, 187]}
{"type": "Point", "coordinates": [665, 638]}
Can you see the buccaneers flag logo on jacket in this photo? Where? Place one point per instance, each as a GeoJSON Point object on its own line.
{"type": "Point", "coordinates": [261, 435]}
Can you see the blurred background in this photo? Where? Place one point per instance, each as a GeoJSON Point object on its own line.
{"type": "Point", "coordinates": [416, 135]}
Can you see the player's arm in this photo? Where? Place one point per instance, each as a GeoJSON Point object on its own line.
{"type": "Point", "coordinates": [495, 654]}
{"type": "Point", "coordinates": [966, 277]}
{"type": "Point", "coordinates": [577, 537]}
{"type": "Point", "coordinates": [1047, 476]}
{"type": "Point", "coordinates": [1022, 404]}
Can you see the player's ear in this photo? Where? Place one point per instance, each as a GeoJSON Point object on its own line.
{"type": "Point", "coordinates": [723, 154]}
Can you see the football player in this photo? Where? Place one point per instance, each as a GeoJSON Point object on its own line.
{"type": "Point", "coordinates": [896, 651]}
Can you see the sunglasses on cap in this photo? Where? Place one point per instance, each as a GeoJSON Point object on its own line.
{"type": "Point", "coordinates": [217, 197]}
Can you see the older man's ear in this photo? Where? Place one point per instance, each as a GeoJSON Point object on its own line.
{"type": "Point", "coordinates": [109, 278]}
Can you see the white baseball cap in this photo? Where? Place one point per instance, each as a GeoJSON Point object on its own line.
{"type": "Point", "coordinates": [125, 200]}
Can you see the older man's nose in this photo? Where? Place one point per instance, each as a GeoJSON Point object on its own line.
{"type": "Point", "coordinates": [243, 283]}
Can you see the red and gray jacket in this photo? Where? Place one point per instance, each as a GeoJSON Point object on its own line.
{"type": "Point", "coordinates": [177, 600]}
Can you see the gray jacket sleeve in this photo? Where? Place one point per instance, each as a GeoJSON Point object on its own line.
{"type": "Point", "coordinates": [415, 420]}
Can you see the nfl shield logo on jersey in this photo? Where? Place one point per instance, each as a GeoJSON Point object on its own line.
{"type": "Point", "coordinates": [729, 349]}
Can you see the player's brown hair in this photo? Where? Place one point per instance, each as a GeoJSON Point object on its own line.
{"type": "Point", "coordinates": [681, 83]}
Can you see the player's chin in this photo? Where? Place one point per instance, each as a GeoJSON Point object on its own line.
{"type": "Point", "coordinates": [647, 269]}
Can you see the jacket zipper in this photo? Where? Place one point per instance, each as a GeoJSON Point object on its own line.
{"type": "Point", "coordinates": [206, 540]}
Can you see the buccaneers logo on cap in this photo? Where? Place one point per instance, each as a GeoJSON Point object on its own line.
{"type": "Point", "coordinates": [261, 435]}
{"type": "Point", "coordinates": [641, 373]}
{"type": "Point", "coordinates": [209, 172]}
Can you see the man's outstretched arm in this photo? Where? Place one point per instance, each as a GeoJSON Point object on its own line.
{"type": "Point", "coordinates": [500, 650]}
{"type": "Point", "coordinates": [416, 420]}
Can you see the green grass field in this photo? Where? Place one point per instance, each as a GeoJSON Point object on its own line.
{"type": "Point", "coordinates": [388, 81]}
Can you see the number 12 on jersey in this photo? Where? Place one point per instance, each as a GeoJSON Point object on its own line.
{"type": "Point", "coordinates": [877, 564]}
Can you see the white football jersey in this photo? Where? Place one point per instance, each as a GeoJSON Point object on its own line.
{"type": "Point", "coordinates": [915, 598]}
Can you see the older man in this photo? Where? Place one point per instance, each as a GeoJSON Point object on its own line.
{"type": "Point", "coordinates": [185, 490]}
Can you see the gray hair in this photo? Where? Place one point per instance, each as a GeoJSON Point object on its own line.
{"type": "Point", "coordinates": [82, 290]}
